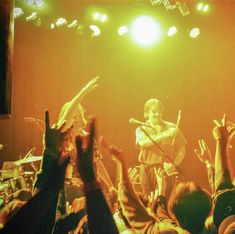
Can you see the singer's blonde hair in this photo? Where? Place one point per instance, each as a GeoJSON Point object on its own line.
{"type": "Point", "coordinates": [149, 104]}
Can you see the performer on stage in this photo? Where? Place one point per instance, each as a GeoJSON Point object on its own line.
{"type": "Point", "coordinates": [158, 140]}
{"type": "Point", "coordinates": [74, 114]}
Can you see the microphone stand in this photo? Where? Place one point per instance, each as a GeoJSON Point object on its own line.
{"type": "Point", "coordinates": [36, 121]}
{"type": "Point", "coordinates": [177, 168]}
{"type": "Point", "coordinates": [39, 126]}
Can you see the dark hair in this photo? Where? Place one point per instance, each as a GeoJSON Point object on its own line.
{"type": "Point", "coordinates": [190, 205]}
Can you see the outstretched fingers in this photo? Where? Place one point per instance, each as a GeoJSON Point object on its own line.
{"type": "Point", "coordinates": [216, 122]}
{"type": "Point", "coordinates": [62, 127]}
{"type": "Point", "coordinates": [90, 144]}
{"type": "Point", "coordinates": [224, 120]}
{"type": "Point", "coordinates": [201, 145]}
{"type": "Point", "coordinates": [47, 120]}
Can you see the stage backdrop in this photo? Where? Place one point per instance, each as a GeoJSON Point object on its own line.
{"type": "Point", "coordinates": [195, 76]}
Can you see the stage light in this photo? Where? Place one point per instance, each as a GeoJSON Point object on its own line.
{"type": "Point", "coordinates": [73, 24]}
{"type": "Point", "coordinates": [206, 8]}
{"type": "Point", "coordinates": [36, 3]}
{"type": "Point", "coordinates": [97, 16]}
{"type": "Point", "coordinates": [122, 30]}
{"type": "Point", "coordinates": [194, 33]}
{"type": "Point", "coordinates": [95, 30]}
{"type": "Point", "coordinates": [203, 6]}
{"type": "Point", "coordinates": [52, 26]}
{"type": "Point", "coordinates": [183, 8]}
{"type": "Point", "coordinates": [172, 31]}
{"type": "Point", "coordinates": [30, 2]}
{"type": "Point", "coordinates": [200, 6]}
{"type": "Point", "coordinates": [32, 17]}
{"type": "Point", "coordinates": [171, 5]}
{"type": "Point", "coordinates": [145, 30]}
{"type": "Point", "coordinates": [39, 3]}
{"type": "Point", "coordinates": [18, 12]}
{"type": "Point", "coordinates": [60, 22]}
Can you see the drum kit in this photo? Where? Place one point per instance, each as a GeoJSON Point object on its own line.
{"type": "Point", "coordinates": [14, 176]}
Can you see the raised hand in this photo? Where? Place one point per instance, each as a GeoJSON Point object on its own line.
{"type": "Point", "coordinates": [85, 147]}
{"type": "Point", "coordinates": [91, 85]}
{"type": "Point", "coordinates": [161, 180]}
{"type": "Point", "coordinates": [117, 154]}
{"type": "Point", "coordinates": [133, 175]}
{"type": "Point", "coordinates": [204, 153]}
{"type": "Point", "coordinates": [152, 197]}
{"type": "Point", "coordinates": [55, 138]}
{"type": "Point", "coordinates": [222, 131]}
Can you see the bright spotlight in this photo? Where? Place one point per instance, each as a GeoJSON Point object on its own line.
{"type": "Point", "coordinates": [95, 30]}
{"type": "Point", "coordinates": [200, 6]}
{"type": "Point", "coordinates": [172, 31]}
{"type": "Point", "coordinates": [145, 30]}
{"type": "Point", "coordinates": [100, 17]}
{"type": "Point", "coordinates": [18, 12]}
{"type": "Point", "coordinates": [203, 6]}
{"type": "Point", "coordinates": [194, 33]}
{"type": "Point", "coordinates": [122, 30]}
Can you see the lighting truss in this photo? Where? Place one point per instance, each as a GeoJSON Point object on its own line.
{"type": "Point", "coordinates": [182, 6]}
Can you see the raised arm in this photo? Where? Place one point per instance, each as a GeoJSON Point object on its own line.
{"type": "Point", "coordinates": [71, 107]}
{"type": "Point", "coordinates": [132, 207]}
{"type": "Point", "coordinates": [204, 155]}
{"type": "Point", "coordinates": [223, 198]}
{"type": "Point", "coordinates": [100, 219]}
{"type": "Point", "coordinates": [38, 214]}
{"type": "Point", "coordinates": [222, 135]}
{"type": "Point", "coordinates": [54, 154]}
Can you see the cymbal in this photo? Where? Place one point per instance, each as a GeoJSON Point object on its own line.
{"type": "Point", "coordinates": [29, 159]}
{"type": "Point", "coordinates": [28, 173]}
{"type": "Point", "coordinates": [7, 174]}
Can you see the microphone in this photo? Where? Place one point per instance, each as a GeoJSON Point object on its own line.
{"type": "Point", "coordinates": [30, 119]}
{"type": "Point", "coordinates": [135, 121]}
{"type": "Point", "coordinates": [33, 120]}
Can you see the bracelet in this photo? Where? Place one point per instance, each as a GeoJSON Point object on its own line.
{"type": "Point", "coordinates": [90, 186]}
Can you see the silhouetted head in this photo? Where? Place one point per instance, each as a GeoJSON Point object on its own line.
{"type": "Point", "coordinates": [190, 205]}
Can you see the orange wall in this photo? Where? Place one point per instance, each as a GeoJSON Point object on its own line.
{"type": "Point", "coordinates": [196, 76]}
